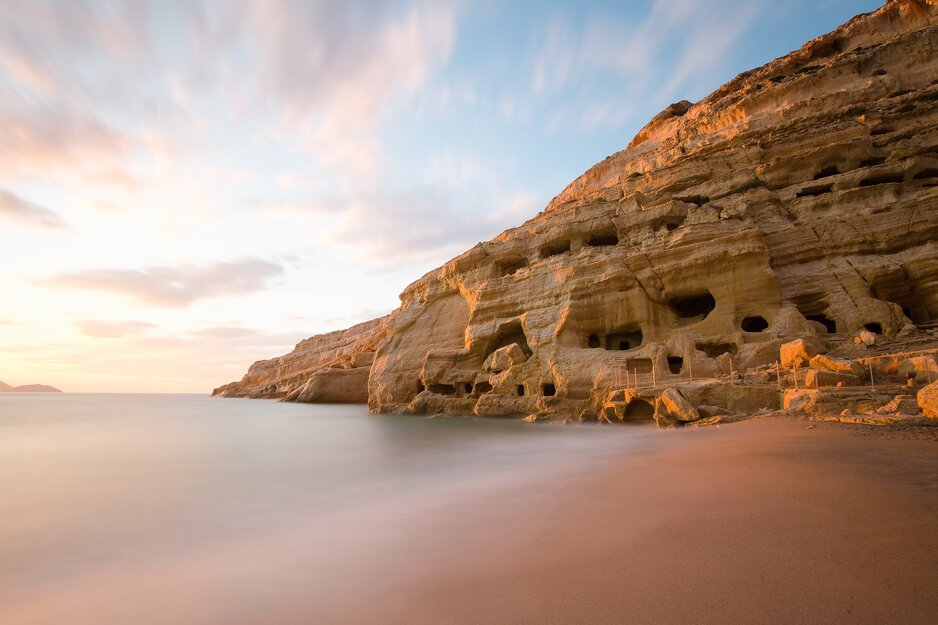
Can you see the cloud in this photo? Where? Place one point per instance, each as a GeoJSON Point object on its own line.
{"type": "Point", "coordinates": [14, 207]}
{"type": "Point", "coordinates": [664, 55]}
{"type": "Point", "coordinates": [175, 287]}
{"type": "Point", "coordinates": [336, 68]}
{"type": "Point", "coordinates": [101, 328]}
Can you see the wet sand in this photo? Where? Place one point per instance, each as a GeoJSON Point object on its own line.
{"type": "Point", "coordinates": [766, 521]}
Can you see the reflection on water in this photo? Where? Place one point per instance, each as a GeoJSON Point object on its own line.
{"type": "Point", "coordinates": [187, 509]}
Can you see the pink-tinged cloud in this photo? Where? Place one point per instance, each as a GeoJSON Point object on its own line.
{"type": "Point", "coordinates": [18, 209]}
{"type": "Point", "coordinates": [173, 287]}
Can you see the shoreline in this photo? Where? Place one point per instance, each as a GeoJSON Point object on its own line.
{"type": "Point", "coordinates": [770, 520]}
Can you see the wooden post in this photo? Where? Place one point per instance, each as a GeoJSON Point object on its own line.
{"type": "Point", "coordinates": [778, 374]}
{"type": "Point", "coordinates": [872, 384]}
{"type": "Point", "coordinates": [690, 368]}
{"type": "Point", "coordinates": [635, 376]}
{"type": "Point", "coordinates": [627, 382]}
{"type": "Point", "coordinates": [654, 375]}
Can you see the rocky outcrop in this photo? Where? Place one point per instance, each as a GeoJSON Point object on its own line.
{"type": "Point", "coordinates": [28, 388]}
{"type": "Point", "coordinates": [928, 400]}
{"type": "Point", "coordinates": [327, 368]}
{"type": "Point", "coordinates": [798, 201]}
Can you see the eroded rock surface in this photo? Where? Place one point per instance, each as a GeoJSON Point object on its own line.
{"type": "Point", "coordinates": [798, 201]}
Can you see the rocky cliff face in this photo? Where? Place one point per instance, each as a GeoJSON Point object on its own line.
{"type": "Point", "coordinates": [799, 200]}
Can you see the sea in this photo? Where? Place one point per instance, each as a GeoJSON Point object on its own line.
{"type": "Point", "coordinates": [137, 509]}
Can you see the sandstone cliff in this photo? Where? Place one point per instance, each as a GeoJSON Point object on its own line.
{"type": "Point", "coordinates": [799, 200]}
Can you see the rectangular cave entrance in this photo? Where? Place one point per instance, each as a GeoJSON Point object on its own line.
{"type": "Point", "coordinates": [693, 308]}
{"type": "Point", "coordinates": [675, 364]}
{"type": "Point", "coordinates": [716, 349]}
{"type": "Point", "coordinates": [638, 411]}
{"type": "Point", "coordinates": [442, 389]}
{"type": "Point", "coordinates": [509, 266]}
{"type": "Point", "coordinates": [603, 239]}
{"type": "Point", "coordinates": [639, 365]}
{"type": "Point", "coordinates": [555, 249]}
{"type": "Point", "coordinates": [548, 389]}
{"type": "Point", "coordinates": [624, 339]}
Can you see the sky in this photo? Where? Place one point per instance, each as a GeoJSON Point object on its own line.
{"type": "Point", "coordinates": [187, 187]}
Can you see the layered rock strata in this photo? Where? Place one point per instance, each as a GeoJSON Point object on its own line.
{"type": "Point", "coordinates": [799, 200]}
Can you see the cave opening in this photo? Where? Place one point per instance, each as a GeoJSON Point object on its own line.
{"type": "Point", "coordinates": [602, 239]}
{"type": "Point", "coordinates": [639, 410]}
{"type": "Point", "coordinates": [815, 191]}
{"type": "Point", "coordinates": [443, 389]}
{"type": "Point", "coordinates": [420, 387]}
{"type": "Point", "coordinates": [548, 389]}
{"type": "Point", "coordinates": [482, 387]}
{"type": "Point", "coordinates": [693, 308]}
{"type": "Point", "coordinates": [813, 307]}
{"type": "Point", "coordinates": [715, 350]}
{"type": "Point", "coordinates": [925, 174]}
{"type": "Point", "coordinates": [898, 289]}
{"type": "Point", "coordinates": [468, 388]}
{"type": "Point", "coordinates": [510, 266]}
{"type": "Point", "coordinates": [830, 170]}
{"type": "Point", "coordinates": [829, 324]}
{"type": "Point", "coordinates": [754, 324]}
{"type": "Point", "coordinates": [511, 332]}
{"type": "Point", "coordinates": [873, 161]}
{"type": "Point", "coordinates": [699, 200]}
{"type": "Point", "coordinates": [624, 339]}
{"type": "Point", "coordinates": [520, 390]}
{"type": "Point", "coordinates": [668, 223]}
{"type": "Point", "coordinates": [593, 341]}
{"type": "Point", "coordinates": [675, 364]}
{"type": "Point", "coordinates": [872, 181]}
{"type": "Point", "coordinates": [555, 249]}
{"type": "Point", "coordinates": [639, 365]}
{"type": "Point", "coordinates": [874, 327]}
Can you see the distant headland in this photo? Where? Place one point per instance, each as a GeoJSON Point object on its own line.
{"type": "Point", "coordinates": [28, 388]}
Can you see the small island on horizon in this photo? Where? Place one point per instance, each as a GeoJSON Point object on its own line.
{"type": "Point", "coordinates": [28, 388]}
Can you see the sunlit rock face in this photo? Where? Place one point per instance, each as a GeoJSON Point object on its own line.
{"type": "Point", "coordinates": [327, 368]}
{"type": "Point", "coordinates": [799, 200]}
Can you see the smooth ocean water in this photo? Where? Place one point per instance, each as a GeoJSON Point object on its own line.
{"type": "Point", "coordinates": [189, 509]}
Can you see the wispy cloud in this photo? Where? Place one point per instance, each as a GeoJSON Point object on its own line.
{"type": "Point", "coordinates": [661, 56]}
{"type": "Point", "coordinates": [14, 207]}
{"type": "Point", "coordinates": [173, 286]}
{"type": "Point", "coordinates": [102, 328]}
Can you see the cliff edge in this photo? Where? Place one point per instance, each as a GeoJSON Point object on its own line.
{"type": "Point", "coordinates": [798, 201]}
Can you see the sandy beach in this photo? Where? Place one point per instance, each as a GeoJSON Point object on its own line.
{"type": "Point", "coordinates": [767, 521]}
{"type": "Point", "coordinates": [772, 520]}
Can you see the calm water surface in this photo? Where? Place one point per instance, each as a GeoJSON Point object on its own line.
{"type": "Point", "coordinates": [188, 509]}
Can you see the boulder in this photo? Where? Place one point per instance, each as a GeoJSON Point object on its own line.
{"type": "Point", "coordinates": [798, 353]}
{"type": "Point", "coordinates": [928, 400]}
{"type": "Point", "coordinates": [504, 358]}
{"type": "Point", "coordinates": [674, 405]}
{"type": "Point", "coordinates": [925, 368]}
{"type": "Point", "coordinates": [865, 337]}
{"type": "Point", "coordinates": [823, 362]}
{"type": "Point", "coordinates": [818, 379]}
